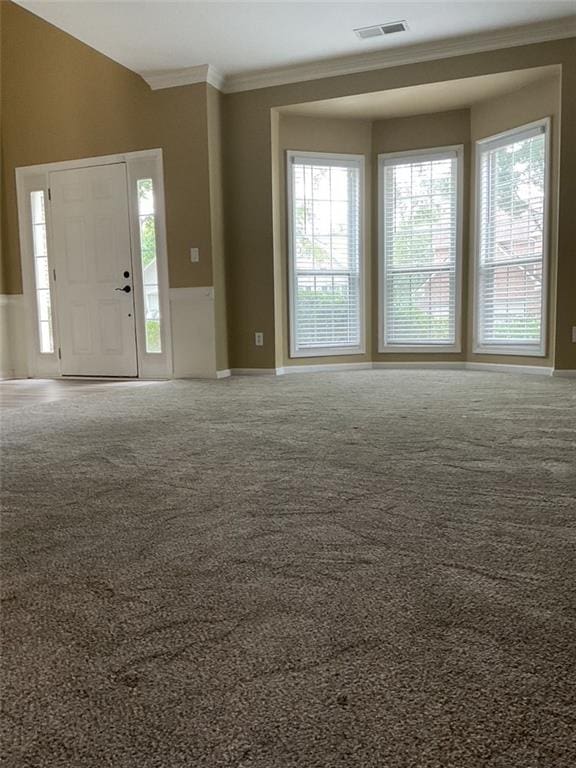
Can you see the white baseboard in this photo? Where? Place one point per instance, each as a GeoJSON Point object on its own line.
{"type": "Point", "coordinates": [254, 371]}
{"type": "Point", "coordinates": [223, 374]}
{"type": "Point", "coordinates": [424, 365]}
{"type": "Point", "coordinates": [564, 373]}
{"type": "Point", "coordinates": [540, 370]}
{"type": "Point", "coordinates": [408, 365]}
{"type": "Point", "coordinates": [324, 367]}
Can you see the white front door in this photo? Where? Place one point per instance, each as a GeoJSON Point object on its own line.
{"type": "Point", "coordinates": [93, 262]}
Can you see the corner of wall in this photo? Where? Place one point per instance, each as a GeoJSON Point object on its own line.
{"type": "Point", "coordinates": [278, 235]}
{"type": "Point", "coordinates": [217, 223]}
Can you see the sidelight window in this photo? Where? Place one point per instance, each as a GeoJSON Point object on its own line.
{"type": "Point", "coordinates": [149, 264]}
{"type": "Point", "coordinates": [41, 272]}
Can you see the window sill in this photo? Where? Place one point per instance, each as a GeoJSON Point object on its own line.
{"type": "Point", "coordinates": [501, 349]}
{"type": "Point", "coordinates": [326, 352]}
{"type": "Point", "coordinates": [425, 348]}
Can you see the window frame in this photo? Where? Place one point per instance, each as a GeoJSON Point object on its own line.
{"type": "Point", "coordinates": [336, 159]}
{"type": "Point", "coordinates": [432, 153]}
{"type": "Point", "coordinates": [502, 139]}
{"type": "Point", "coordinates": [46, 355]}
{"type": "Point", "coordinates": [146, 163]}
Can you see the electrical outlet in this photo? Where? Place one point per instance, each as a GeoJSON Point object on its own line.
{"type": "Point", "coordinates": [574, 334]}
{"type": "Point", "coordinates": [259, 339]}
{"type": "Point", "coordinates": [194, 255]}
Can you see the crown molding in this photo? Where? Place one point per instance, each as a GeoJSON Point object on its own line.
{"type": "Point", "coordinates": [349, 65]}
{"type": "Point", "coordinates": [203, 73]}
{"type": "Point", "coordinates": [215, 78]}
{"type": "Point", "coordinates": [441, 49]}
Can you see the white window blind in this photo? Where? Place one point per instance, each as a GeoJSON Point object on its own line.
{"type": "Point", "coordinates": [510, 250]}
{"type": "Point", "coordinates": [420, 240]}
{"type": "Point", "coordinates": [325, 194]}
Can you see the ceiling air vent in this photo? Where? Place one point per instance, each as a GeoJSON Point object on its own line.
{"type": "Point", "coordinates": [379, 30]}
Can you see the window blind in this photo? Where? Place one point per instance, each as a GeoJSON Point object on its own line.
{"type": "Point", "coordinates": [420, 243]}
{"type": "Point", "coordinates": [325, 202]}
{"type": "Point", "coordinates": [510, 258]}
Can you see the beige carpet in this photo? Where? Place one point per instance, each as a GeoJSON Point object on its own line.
{"type": "Point", "coordinates": [362, 570]}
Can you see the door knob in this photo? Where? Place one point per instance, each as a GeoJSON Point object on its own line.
{"type": "Point", "coordinates": [126, 289]}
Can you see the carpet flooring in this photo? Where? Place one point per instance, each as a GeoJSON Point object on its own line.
{"type": "Point", "coordinates": [351, 570]}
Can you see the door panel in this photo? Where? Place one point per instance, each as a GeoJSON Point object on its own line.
{"type": "Point", "coordinates": [80, 335]}
{"type": "Point", "coordinates": [91, 234]}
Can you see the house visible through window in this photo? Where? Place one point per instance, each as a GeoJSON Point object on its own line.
{"type": "Point", "coordinates": [147, 229]}
{"type": "Point", "coordinates": [325, 194]}
{"type": "Point", "coordinates": [510, 265]}
{"type": "Point", "coordinates": [420, 234]}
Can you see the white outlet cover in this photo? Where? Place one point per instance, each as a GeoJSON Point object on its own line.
{"type": "Point", "coordinates": [259, 339]}
{"type": "Point", "coordinates": [194, 255]}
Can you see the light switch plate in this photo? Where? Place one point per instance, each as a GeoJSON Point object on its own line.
{"type": "Point", "coordinates": [194, 255]}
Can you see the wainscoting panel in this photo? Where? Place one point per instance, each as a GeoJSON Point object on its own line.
{"type": "Point", "coordinates": [13, 346]}
{"type": "Point", "coordinates": [193, 332]}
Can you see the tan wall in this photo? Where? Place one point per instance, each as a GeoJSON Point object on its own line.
{"type": "Point", "coordinates": [440, 129]}
{"type": "Point", "coordinates": [321, 135]}
{"type": "Point", "coordinates": [62, 100]}
{"type": "Point", "coordinates": [565, 350]}
{"type": "Point", "coordinates": [250, 235]}
{"type": "Point", "coordinates": [3, 277]}
{"type": "Point", "coordinates": [542, 99]}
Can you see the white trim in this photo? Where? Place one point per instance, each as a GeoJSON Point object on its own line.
{"type": "Point", "coordinates": [90, 377]}
{"type": "Point", "coordinates": [368, 62]}
{"type": "Point", "coordinates": [86, 162]}
{"type": "Point", "coordinates": [215, 78]}
{"type": "Point", "coordinates": [408, 365]}
{"type": "Point", "coordinates": [440, 49]}
{"type": "Point", "coordinates": [13, 357]}
{"type": "Point", "coordinates": [150, 365]}
{"type": "Point", "coordinates": [256, 371]}
{"type": "Point", "coordinates": [520, 133]}
{"type": "Point", "coordinates": [424, 365]}
{"type": "Point", "coordinates": [290, 369]}
{"type": "Point", "coordinates": [541, 370]}
{"type": "Point", "coordinates": [203, 73]}
{"type": "Point", "coordinates": [36, 177]}
{"type": "Point", "coordinates": [433, 153]}
{"type": "Point", "coordinates": [564, 373]}
{"type": "Point", "coordinates": [224, 374]}
{"type": "Point", "coordinates": [340, 160]}
{"type": "Point", "coordinates": [196, 292]}
{"type": "Point", "coordinates": [9, 299]}
{"type": "Point", "coordinates": [193, 332]}
{"type": "Point", "coordinates": [531, 350]}
{"type": "Point", "coordinates": [38, 364]}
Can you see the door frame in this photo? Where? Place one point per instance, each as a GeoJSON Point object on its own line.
{"type": "Point", "coordinates": [143, 164]}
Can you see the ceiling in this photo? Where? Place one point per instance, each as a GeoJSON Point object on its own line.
{"type": "Point", "coordinates": [422, 99]}
{"type": "Point", "coordinates": [239, 37]}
